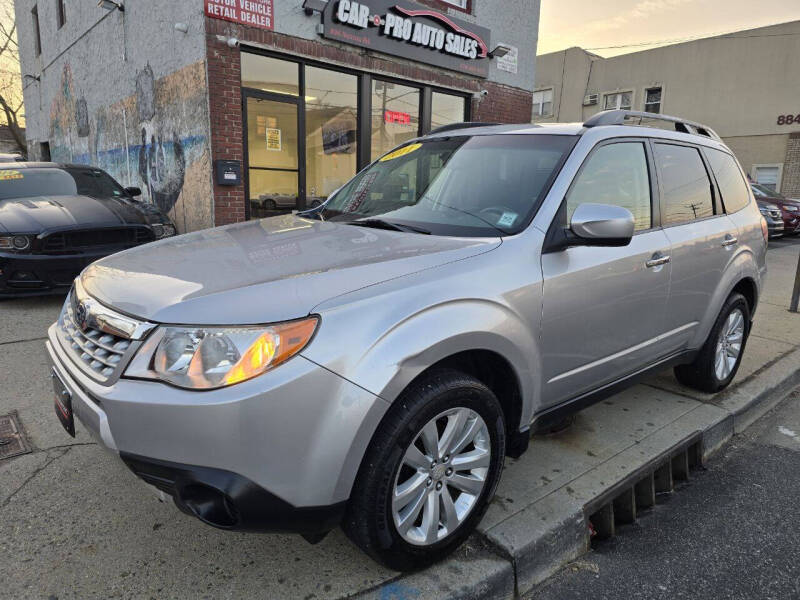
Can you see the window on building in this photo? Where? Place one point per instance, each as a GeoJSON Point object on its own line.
{"type": "Point", "coordinates": [395, 115]}
{"type": "Point", "coordinates": [61, 13]}
{"type": "Point", "coordinates": [685, 186]}
{"type": "Point", "coordinates": [768, 176]}
{"type": "Point", "coordinates": [462, 4]}
{"type": "Point", "coordinates": [447, 109]}
{"type": "Point", "coordinates": [731, 184]}
{"type": "Point", "coordinates": [331, 132]}
{"type": "Point", "coordinates": [37, 38]}
{"type": "Point", "coordinates": [270, 74]}
{"type": "Point", "coordinates": [618, 101]}
{"type": "Point", "coordinates": [652, 100]}
{"type": "Point", "coordinates": [543, 103]}
{"type": "Point", "coordinates": [44, 151]}
{"type": "Point", "coordinates": [615, 174]}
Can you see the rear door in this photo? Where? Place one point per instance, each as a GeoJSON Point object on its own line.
{"type": "Point", "coordinates": [603, 308]}
{"type": "Point", "coordinates": [702, 237]}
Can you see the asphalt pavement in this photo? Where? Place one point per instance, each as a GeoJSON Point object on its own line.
{"type": "Point", "coordinates": [731, 532]}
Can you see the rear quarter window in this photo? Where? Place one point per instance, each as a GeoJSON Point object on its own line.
{"type": "Point", "coordinates": [732, 186]}
{"type": "Point", "coordinates": [685, 186]}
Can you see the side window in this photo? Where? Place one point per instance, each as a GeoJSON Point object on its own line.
{"type": "Point", "coordinates": [615, 174]}
{"type": "Point", "coordinates": [685, 186]}
{"type": "Point", "coordinates": [731, 184]}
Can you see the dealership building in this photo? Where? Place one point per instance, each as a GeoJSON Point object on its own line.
{"type": "Point", "coordinates": [226, 110]}
{"type": "Point", "coordinates": [744, 85]}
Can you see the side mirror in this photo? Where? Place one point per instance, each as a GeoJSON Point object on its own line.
{"type": "Point", "coordinates": [134, 191]}
{"type": "Point", "coordinates": [601, 225]}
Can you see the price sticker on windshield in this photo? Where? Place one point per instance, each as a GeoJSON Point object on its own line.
{"type": "Point", "coordinates": [508, 219]}
{"type": "Point", "coordinates": [401, 152]}
{"type": "Point", "coordinates": [9, 175]}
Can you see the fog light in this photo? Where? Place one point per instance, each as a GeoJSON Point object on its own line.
{"type": "Point", "coordinates": [20, 242]}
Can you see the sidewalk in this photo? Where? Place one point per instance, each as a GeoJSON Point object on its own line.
{"type": "Point", "coordinates": [75, 523]}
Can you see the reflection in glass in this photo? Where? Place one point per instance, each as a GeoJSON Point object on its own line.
{"type": "Point", "coordinates": [331, 126]}
{"type": "Point", "coordinates": [272, 155]}
{"type": "Point", "coordinates": [395, 115]}
{"type": "Point", "coordinates": [446, 109]}
{"type": "Point", "coordinates": [270, 74]}
{"type": "Point", "coordinates": [686, 188]}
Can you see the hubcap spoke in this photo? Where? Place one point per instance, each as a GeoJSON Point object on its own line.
{"type": "Point", "coordinates": [476, 459]}
{"type": "Point", "coordinates": [471, 430]}
{"type": "Point", "coordinates": [404, 520]}
{"type": "Point", "coordinates": [407, 492]}
{"type": "Point", "coordinates": [453, 431]}
{"type": "Point", "coordinates": [430, 519]}
{"type": "Point", "coordinates": [470, 485]}
{"type": "Point", "coordinates": [416, 459]}
{"type": "Point", "coordinates": [450, 513]}
{"type": "Point", "coordinates": [430, 439]}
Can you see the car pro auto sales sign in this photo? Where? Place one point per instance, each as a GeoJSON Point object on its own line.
{"type": "Point", "coordinates": [414, 32]}
{"type": "Point", "coordinates": [257, 13]}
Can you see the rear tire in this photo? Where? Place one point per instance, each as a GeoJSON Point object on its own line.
{"type": "Point", "coordinates": [719, 358]}
{"type": "Point", "coordinates": [409, 509]}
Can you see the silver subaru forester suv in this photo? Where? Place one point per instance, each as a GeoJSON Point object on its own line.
{"type": "Point", "coordinates": [369, 363]}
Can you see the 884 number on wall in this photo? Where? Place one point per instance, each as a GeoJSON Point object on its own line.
{"type": "Point", "coordinates": [789, 119]}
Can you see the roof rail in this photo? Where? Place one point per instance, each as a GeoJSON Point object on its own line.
{"type": "Point", "coordinates": [467, 125]}
{"type": "Point", "coordinates": [619, 117]}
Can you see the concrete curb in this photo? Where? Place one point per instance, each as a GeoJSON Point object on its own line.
{"type": "Point", "coordinates": [523, 550]}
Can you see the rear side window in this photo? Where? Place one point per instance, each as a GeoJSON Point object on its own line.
{"type": "Point", "coordinates": [685, 186]}
{"type": "Point", "coordinates": [615, 174]}
{"type": "Point", "coordinates": [731, 184]}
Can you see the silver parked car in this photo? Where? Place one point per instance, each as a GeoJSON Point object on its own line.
{"type": "Point", "coordinates": [372, 361]}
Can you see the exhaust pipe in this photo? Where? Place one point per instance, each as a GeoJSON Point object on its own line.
{"type": "Point", "coordinates": [208, 504]}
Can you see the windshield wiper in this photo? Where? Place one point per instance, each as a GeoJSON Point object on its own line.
{"type": "Point", "coordinates": [381, 224]}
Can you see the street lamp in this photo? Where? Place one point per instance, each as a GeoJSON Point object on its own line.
{"type": "Point", "coordinates": [112, 5]}
{"type": "Point", "coordinates": [500, 51]}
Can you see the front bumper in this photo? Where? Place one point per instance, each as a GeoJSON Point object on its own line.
{"type": "Point", "coordinates": [40, 274]}
{"type": "Point", "coordinates": [277, 453]}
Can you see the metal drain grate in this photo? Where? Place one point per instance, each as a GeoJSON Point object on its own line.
{"type": "Point", "coordinates": [12, 439]}
{"type": "Point", "coordinates": [638, 491]}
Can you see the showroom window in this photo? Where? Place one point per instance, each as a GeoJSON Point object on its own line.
{"type": "Point", "coordinates": [543, 103]}
{"type": "Point", "coordinates": [652, 100]}
{"type": "Point", "coordinates": [447, 109]}
{"type": "Point", "coordinates": [309, 128]}
{"type": "Point", "coordinates": [618, 101]}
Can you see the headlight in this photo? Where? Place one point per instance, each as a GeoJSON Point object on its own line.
{"type": "Point", "coordinates": [791, 208]}
{"type": "Point", "coordinates": [212, 357]}
{"type": "Point", "coordinates": [163, 231]}
{"type": "Point", "coordinates": [15, 242]}
{"type": "Point", "coordinates": [763, 211]}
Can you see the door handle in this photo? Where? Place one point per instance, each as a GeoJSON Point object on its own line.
{"type": "Point", "coordinates": [730, 241]}
{"type": "Point", "coordinates": [657, 261]}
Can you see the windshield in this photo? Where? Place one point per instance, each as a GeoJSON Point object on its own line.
{"type": "Point", "coordinates": [459, 186]}
{"type": "Point", "coordinates": [765, 192]}
{"type": "Point", "coordinates": [69, 181]}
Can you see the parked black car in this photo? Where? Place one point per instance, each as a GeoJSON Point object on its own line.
{"type": "Point", "coordinates": [772, 214]}
{"type": "Point", "coordinates": [56, 219]}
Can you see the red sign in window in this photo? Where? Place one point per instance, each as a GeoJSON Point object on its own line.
{"type": "Point", "coordinates": [258, 13]}
{"type": "Point", "coordinates": [393, 116]}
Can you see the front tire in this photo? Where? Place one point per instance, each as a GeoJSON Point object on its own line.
{"type": "Point", "coordinates": [719, 359]}
{"type": "Point", "coordinates": [429, 472]}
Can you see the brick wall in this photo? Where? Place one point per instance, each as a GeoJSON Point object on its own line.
{"type": "Point", "coordinates": [791, 169]}
{"type": "Point", "coordinates": [503, 104]}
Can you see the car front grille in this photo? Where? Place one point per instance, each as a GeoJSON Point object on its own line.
{"type": "Point", "coordinates": [775, 214]}
{"type": "Point", "coordinates": [70, 241]}
{"type": "Point", "coordinates": [99, 352]}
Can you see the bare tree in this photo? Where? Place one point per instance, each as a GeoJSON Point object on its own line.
{"type": "Point", "coordinates": [11, 106]}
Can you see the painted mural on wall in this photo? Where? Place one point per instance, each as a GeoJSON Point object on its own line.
{"type": "Point", "coordinates": [155, 140]}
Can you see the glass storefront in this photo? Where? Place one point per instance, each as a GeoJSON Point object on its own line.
{"type": "Point", "coordinates": [331, 132]}
{"type": "Point", "coordinates": [309, 129]}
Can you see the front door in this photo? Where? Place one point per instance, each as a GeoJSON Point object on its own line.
{"type": "Point", "coordinates": [603, 308]}
{"type": "Point", "coordinates": [273, 156]}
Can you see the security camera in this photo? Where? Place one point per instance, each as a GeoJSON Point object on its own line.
{"type": "Point", "coordinates": [233, 42]}
{"type": "Point", "coordinates": [480, 95]}
{"type": "Point", "coordinates": [484, 93]}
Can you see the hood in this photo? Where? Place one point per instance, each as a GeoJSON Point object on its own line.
{"type": "Point", "coordinates": [262, 271]}
{"type": "Point", "coordinates": [42, 213]}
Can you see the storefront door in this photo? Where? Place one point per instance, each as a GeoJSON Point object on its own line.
{"type": "Point", "coordinates": [272, 155]}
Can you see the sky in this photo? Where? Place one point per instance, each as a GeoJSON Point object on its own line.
{"type": "Point", "coordinates": [603, 25]}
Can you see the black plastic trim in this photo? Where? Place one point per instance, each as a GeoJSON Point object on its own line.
{"type": "Point", "coordinates": [555, 414]}
{"type": "Point", "coordinates": [239, 504]}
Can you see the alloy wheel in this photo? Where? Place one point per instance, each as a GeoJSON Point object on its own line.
{"type": "Point", "coordinates": [441, 477]}
{"type": "Point", "coordinates": [729, 345]}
